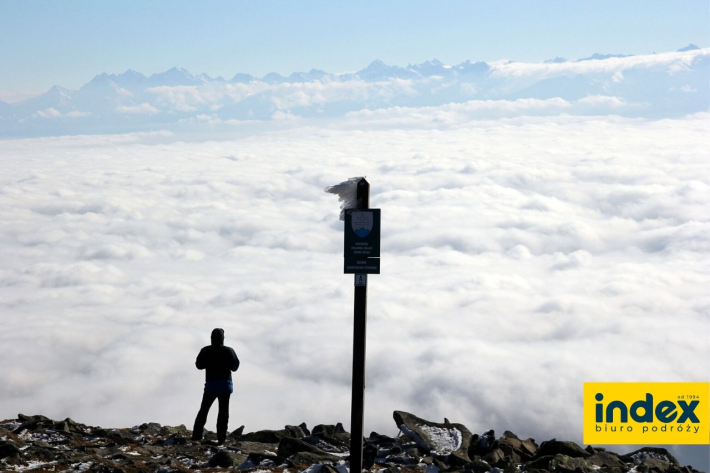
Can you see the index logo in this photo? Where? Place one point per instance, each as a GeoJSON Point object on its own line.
{"type": "Point", "coordinates": [646, 413]}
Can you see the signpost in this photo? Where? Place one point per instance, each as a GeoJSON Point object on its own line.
{"type": "Point", "coordinates": [362, 257]}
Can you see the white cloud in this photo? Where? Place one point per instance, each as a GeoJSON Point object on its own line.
{"type": "Point", "coordinates": [12, 96]}
{"type": "Point", "coordinates": [671, 61]}
{"type": "Point", "coordinates": [144, 108]}
{"type": "Point", "coordinates": [282, 96]}
{"type": "Point", "coordinates": [521, 257]}
{"type": "Point", "coordinates": [458, 113]}
{"type": "Point", "coordinates": [54, 113]}
{"type": "Point", "coordinates": [49, 113]}
{"type": "Point", "coordinates": [603, 101]}
{"type": "Point", "coordinates": [77, 114]}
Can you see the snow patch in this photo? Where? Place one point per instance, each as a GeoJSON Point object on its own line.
{"type": "Point", "coordinates": [445, 441]}
{"type": "Point", "coordinates": [83, 466]}
{"type": "Point", "coordinates": [641, 456]}
{"type": "Point", "coordinates": [347, 194]}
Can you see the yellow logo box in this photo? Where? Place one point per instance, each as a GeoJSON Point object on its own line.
{"type": "Point", "coordinates": [646, 413]}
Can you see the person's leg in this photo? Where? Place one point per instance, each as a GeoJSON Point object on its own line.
{"type": "Point", "coordinates": [207, 400]}
{"type": "Point", "coordinates": [223, 417]}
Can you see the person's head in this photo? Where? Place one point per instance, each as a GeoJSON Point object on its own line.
{"type": "Point", "coordinates": [217, 336]}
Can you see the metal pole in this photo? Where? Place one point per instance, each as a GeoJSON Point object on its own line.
{"type": "Point", "coordinates": [359, 334]}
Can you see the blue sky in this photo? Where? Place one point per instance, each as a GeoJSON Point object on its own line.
{"type": "Point", "coordinates": [44, 43]}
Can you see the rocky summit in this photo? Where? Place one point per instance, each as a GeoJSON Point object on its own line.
{"type": "Point", "coordinates": [37, 443]}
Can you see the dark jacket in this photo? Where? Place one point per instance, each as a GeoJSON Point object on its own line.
{"type": "Point", "coordinates": [218, 360]}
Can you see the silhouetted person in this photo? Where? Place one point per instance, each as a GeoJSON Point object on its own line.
{"type": "Point", "coordinates": [219, 362]}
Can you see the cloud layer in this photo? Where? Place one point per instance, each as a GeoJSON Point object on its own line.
{"type": "Point", "coordinates": [521, 258]}
{"type": "Point", "coordinates": [665, 85]}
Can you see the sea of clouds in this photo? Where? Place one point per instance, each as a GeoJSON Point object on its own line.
{"type": "Point", "coordinates": [522, 255]}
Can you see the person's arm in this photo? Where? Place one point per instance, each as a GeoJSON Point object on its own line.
{"type": "Point", "coordinates": [201, 362]}
{"type": "Point", "coordinates": [235, 361]}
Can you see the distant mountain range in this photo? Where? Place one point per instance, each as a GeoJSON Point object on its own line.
{"type": "Point", "coordinates": [664, 84]}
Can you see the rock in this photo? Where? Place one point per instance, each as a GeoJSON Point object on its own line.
{"type": "Point", "coordinates": [169, 430]}
{"type": "Point", "coordinates": [400, 458]}
{"type": "Point", "coordinates": [457, 459]}
{"type": "Point", "coordinates": [237, 434]}
{"type": "Point", "coordinates": [494, 456]}
{"type": "Point", "coordinates": [8, 450]}
{"type": "Point", "coordinates": [172, 440]}
{"type": "Point", "coordinates": [568, 464]}
{"type": "Point", "coordinates": [28, 425]}
{"type": "Point", "coordinates": [327, 469]}
{"type": "Point", "coordinates": [38, 418]}
{"type": "Point", "coordinates": [150, 428]}
{"type": "Point", "coordinates": [440, 464]}
{"type": "Point", "coordinates": [257, 460]}
{"type": "Point", "coordinates": [256, 448]}
{"type": "Point", "coordinates": [656, 465]}
{"type": "Point", "coordinates": [481, 444]}
{"type": "Point", "coordinates": [310, 458]}
{"type": "Point", "coordinates": [414, 453]}
{"type": "Point", "coordinates": [509, 451]}
{"type": "Point", "coordinates": [172, 463]}
{"type": "Point", "coordinates": [479, 466]}
{"type": "Point", "coordinates": [554, 447]}
{"type": "Point", "coordinates": [506, 463]}
{"type": "Point", "coordinates": [63, 427]}
{"type": "Point", "coordinates": [381, 441]}
{"type": "Point", "coordinates": [222, 459]}
{"type": "Point", "coordinates": [304, 428]}
{"type": "Point", "coordinates": [12, 459]}
{"type": "Point", "coordinates": [295, 431]}
{"type": "Point", "coordinates": [514, 442]}
{"type": "Point", "coordinates": [327, 444]}
{"type": "Point", "coordinates": [637, 456]}
{"type": "Point", "coordinates": [152, 448]}
{"type": "Point", "coordinates": [442, 439]}
{"type": "Point", "coordinates": [42, 454]}
{"type": "Point", "coordinates": [328, 430]}
{"type": "Point", "coordinates": [605, 460]}
{"type": "Point", "coordinates": [262, 436]}
{"type": "Point", "coordinates": [541, 462]}
{"type": "Point", "coordinates": [529, 446]}
{"type": "Point", "coordinates": [274, 436]}
{"type": "Point", "coordinates": [289, 446]}
{"type": "Point", "coordinates": [332, 433]}
{"type": "Point", "coordinates": [369, 455]}
{"type": "Point", "coordinates": [121, 437]}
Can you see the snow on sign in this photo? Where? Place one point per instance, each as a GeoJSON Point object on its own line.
{"type": "Point", "coordinates": [362, 233]}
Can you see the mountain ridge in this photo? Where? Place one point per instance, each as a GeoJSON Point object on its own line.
{"type": "Point", "coordinates": [659, 85]}
{"type": "Point", "coordinates": [176, 73]}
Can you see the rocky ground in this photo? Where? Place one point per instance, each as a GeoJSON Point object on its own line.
{"type": "Point", "coordinates": [36, 443]}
